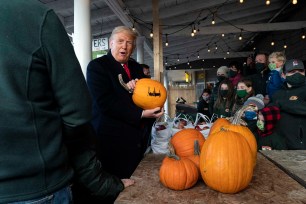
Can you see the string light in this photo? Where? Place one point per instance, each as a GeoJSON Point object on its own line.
{"type": "Point", "coordinates": [213, 19]}
{"type": "Point", "coordinates": [303, 34]}
{"type": "Point", "coordinates": [228, 52]}
{"type": "Point", "coordinates": [151, 34]}
{"type": "Point", "coordinates": [216, 46]}
{"type": "Point", "coordinates": [294, 2]}
{"type": "Point", "coordinates": [178, 58]}
{"type": "Point", "coordinates": [285, 45]}
{"type": "Point", "coordinates": [272, 43]}
{"type": "Point", "coordinates": [208, 50]}
{"type": "Point", "coordinates": [240, 36]}
{"type": "Point", "coordinates": [241, 1]}
{"type": "Point", "coordinates": [133, 28]}
{"type": "Point", "coordinates": [192, 33]}
{"type": "Point", "coordinates": [198, 55]}
{"type": "Point", "coordinates": [268, 2]}
{"type": "Point", "coordinates": [194, 29]}
{"type": "Point", "coordinates": [188, 60]}
{"type": "Point", "coordinates": [166, 61]}
{"type": "Point", "coordinates": [222, 34]}
{"type": "Point", "coordinates": [166, 40]}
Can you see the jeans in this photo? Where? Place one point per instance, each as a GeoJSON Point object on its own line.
{"type": "Point", "coordinates": [63, 196]}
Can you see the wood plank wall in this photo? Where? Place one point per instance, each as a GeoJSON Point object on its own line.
{"type": "Point", "coordinates": [188, 93]}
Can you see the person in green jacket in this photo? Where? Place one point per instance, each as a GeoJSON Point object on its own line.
{"type": "Point", "coordinates": [45, 106]}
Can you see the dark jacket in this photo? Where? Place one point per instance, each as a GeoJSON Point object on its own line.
{"type": "Point", "coordinates": [292, 125]}
{"type": "Point", "coordinates": [122, 134]}
{"type": "Point", "coordinates": [203, 107]}
{"type": "Point", "coordinates": [41, 84]}
{"type": "Point", "coordinates": [259, 82]}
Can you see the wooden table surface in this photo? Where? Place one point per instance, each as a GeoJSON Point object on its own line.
{"type": "Point", "coordinates": [269, 185]}
{"type": "Point", "coordinates": [292, 162]}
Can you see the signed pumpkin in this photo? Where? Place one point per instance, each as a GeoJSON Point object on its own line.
{"type": "Point", "coordinates": [149, 94]}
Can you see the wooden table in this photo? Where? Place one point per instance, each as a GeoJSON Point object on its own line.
{"type": "Point", "coordinates": [291, 162]}
{"type": "Point", "coordinates": [269, 185]}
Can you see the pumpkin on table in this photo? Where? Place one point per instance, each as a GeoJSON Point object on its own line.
{"type": "Point", "coordinates": [183, 141]}
{"type": "Point", "coordinates": [236, 124]}
{"type": "Point", "coordinates": [178, 173]}
{"type": "Point", "coordinates": [226, 162]}
{"type": "Point", "coordinates": [148, 93]}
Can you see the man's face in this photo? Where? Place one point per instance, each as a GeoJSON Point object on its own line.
{"type": "Point", "coordinates": [122, 46]}
{"type": "Point", "coordinates": [260, 58]}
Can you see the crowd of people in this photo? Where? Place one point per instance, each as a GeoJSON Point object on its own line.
{"type": "Point", "coordinates": [274, 85]}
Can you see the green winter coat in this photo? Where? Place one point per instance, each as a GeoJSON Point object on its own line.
{"type": "Point", "coordinates": [42, 94]}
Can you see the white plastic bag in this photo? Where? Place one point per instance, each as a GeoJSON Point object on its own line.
{"type": "Point", "coordinates": [180, 122]}
{"type": "Point", "coordinates": [204, 126]}
{"type": "Point", "coordinates": [161, 134]}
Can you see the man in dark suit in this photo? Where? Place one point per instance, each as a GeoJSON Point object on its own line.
{"type": "Point", "coordinates": [123, 129]}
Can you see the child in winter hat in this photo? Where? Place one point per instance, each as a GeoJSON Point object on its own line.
{"type": "Point", "coordinates": [256, 101]}
{"type": "Point", "coordinates": [267, 138]}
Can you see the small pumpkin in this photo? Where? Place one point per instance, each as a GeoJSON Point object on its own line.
{"type": "Point", "coordinates": [148, 93]}
{"type": "Point", "coordinates": [183, 141]}
{"type": "Point", "coordinates": [226, 162]}
{"type": "Point", "coordinates": [178, 173]}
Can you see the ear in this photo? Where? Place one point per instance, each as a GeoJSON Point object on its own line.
{"type": "Point", "coordinates": [111, 42]}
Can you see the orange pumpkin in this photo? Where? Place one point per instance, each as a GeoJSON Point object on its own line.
{"type": "Point", "coordinates": [149, 93]}
{"type": "Point", "coordinates": [195, 158]}
{"type": "Point", "coordinates": [217, 125]}
{"type": "Point", "coordinates": [183, 141]}
{"type": "Point", "coordinates": [178, 173]}
{"type": "Point", "coordinates": [234, 124]}
{"type": "Point", "coordinates": [247, 134]}
{"type": "Point", "coordinates": [226, 162]}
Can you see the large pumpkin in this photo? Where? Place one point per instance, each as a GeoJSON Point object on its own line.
{"type": "Point", "coordinates": [217, 125]}
{"type": "Point", "coordinates": [226, 162]}
{"type": "Point", "coordinates": [149, 93]}
{"type": "Point", "coordinates": [178, 173]}
{"type": "Point", "coordinates": [235, 124]}
{"type": "Point", "coordinates": [183, 141]}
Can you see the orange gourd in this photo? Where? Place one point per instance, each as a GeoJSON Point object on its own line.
{"type": "Point", "coordinates": [178, 173]}
{"type": "Point", "coordinates": [195, 158]}
{"type": "Point", "coordinates": [226, 162]}
{"type": "Point", "coordinates": [217, 125]}
{"type": "Point", "coordinates": [149, 93]}
{"type": "Point", "coordinates": [183, 141]}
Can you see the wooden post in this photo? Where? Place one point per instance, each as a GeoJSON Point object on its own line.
{"type": "Point", "coordinates": [157, 43]}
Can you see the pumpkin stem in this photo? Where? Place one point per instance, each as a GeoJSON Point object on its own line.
{"type": "Point", "coordinates": [196, 147]}
{"type": "Point", "coordinates": [236, 120]}
{"type": "Point", "coordinates": [172, 152]}
{"type": "Point", "coordinates": [124, 84]}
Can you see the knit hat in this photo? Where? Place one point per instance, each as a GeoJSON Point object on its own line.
{"type": "Point", "coordinates": [256, 100]}
{"type": "Point", "coordinates": [271, 115]}
{"type": "Point", "coordinates": [223, 70]}
{"type": "Point", "coordinates": [293, 64]}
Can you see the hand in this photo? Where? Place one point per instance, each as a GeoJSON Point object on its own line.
{"type": "Point", "coordinates": [127, 182]}
{"type": "Point", "coordinates": [153, 113]}
{"type": "Point", "coordinates": [131, 84]}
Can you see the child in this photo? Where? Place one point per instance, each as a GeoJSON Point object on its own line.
{"type": "Point", "coordinates": [266, 138]}
{"type": "Point", "coordinates": [276, 63]}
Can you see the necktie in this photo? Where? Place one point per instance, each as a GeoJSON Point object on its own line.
{"type": "Point", "coordinates": [127, 70]}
